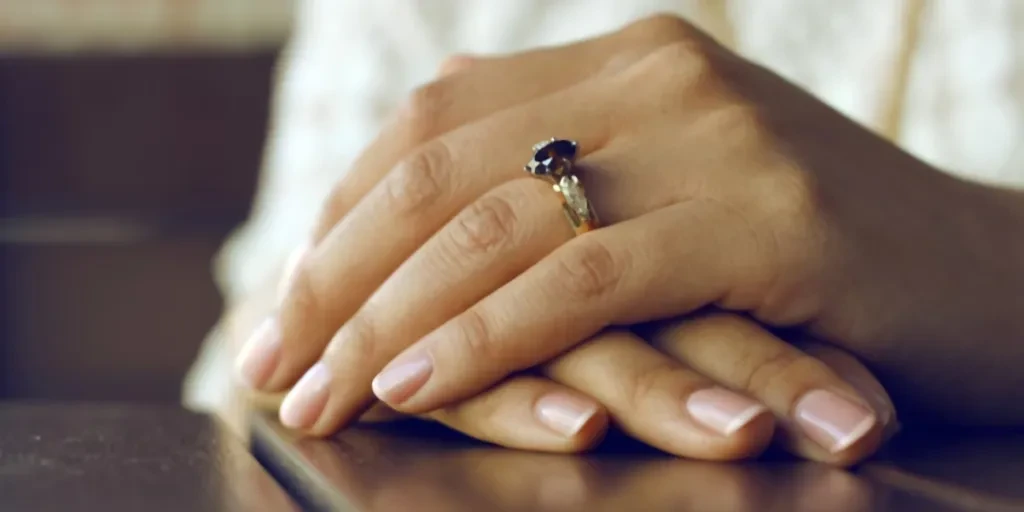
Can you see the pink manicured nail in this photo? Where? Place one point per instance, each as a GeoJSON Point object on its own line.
{"type": "Point", "coordinates": [832, 420]}
{"type": "Point", "coordinates": [306, 401]}
{"type": "Point", "coordinates": [403, 378]}
{"type": "Point", "coordinates": [260, 355]}
{"type": "Point", "coordinates": [564, 413]}
{"type": "Point", "coordinates": [722, 410]}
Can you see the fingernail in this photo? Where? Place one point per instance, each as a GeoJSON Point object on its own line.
{"type": "Point", "coordinates": [291, 265]}
{"type": "Point", "coordinates": [564, 413]}
{"type": "Point", "coordinates": [260, 354]}
{"type": "Point", "coordinates": [403, 378]}
{"type": "Point", "coordinates": [833, 421]}
{"type": "Point", "coordinates": [870, 390]}
{"type": "Point", "coordinates": [722, 410]}
{"type": "Point", "coordinates": [306, 401]}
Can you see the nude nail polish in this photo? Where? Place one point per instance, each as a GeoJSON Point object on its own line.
{"type": "Point", "coordinates": [832, 420]}
{"type": "Point", "coordinates": [260, 355]}
{"type": "Point", "coordinates": [401, 379]}
{"type": "Point", "coordinates": [564, 413]}
{"type": "Point", "coordinates": [723, 411]}
{"type": "Point", "coordinates": [307, 400]}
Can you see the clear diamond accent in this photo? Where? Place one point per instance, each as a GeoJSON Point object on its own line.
{"type": "Point", "coordinates": [574, 195]}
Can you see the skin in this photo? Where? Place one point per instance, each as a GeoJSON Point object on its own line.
{"type": "Point", "coordinates": [720, 185]}
{"type": "Point", "coordinates": [641, 384]}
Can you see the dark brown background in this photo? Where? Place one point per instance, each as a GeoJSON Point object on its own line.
{"type": "Point", "coordinates": [120, 176]}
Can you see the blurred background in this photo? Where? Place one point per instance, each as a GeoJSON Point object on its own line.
{"type": "Point", "coordinates": [131, 133]}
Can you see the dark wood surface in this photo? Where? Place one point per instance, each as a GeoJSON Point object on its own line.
{"type": "Point", "coordinates": [420, 467]}
{"type": "Point", "coordinates": [170, 139]}
{"type": "Point", "coordinates": [121, 174]}
{"type": "Point", "coordinates": [126, 458]}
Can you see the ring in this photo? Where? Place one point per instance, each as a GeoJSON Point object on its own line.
{"type": "Point", "coordinates": [553, 161]}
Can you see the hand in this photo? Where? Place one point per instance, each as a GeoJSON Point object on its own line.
{"type": "Point", "coordinates": [649, 387]}
{"type": "Point", "coordinates": [685, 390]}
{"type": "Point", "coordinates": [719, 183]}
{"type": "Point", "coordinates": [714, 386]}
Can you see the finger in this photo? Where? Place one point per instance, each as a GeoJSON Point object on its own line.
{"type": "Point", "coordinates": [854, 373]}
{"type": "Point", "coordinates": [661, 402]}
{"type": "Point", "coordinates": [403, 212]}
{"type": "Point", "coordinates": [820, 416]}
{"type": "Point", "coordinates": [455, 99]}
{"type": "Point", "coordinates": [499, 236]}
{"type": "Point", "coordinates": [633, 271]}
{"type": "Point", "coordinates": [529, 413]}
{"type": "Point", "coordinates": [405, 209]}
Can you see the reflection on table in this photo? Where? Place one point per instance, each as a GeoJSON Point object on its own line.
{"type": "Point", "coordinates": [419, 466]}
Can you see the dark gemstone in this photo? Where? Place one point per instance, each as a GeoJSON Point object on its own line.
{"type": "Point", "coordinates": [557, 148]}
{"type": "Point", "coordinates": [551, 156]}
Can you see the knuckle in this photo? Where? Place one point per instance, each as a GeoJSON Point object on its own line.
{"type": "Point", "coordinates": [589, 270]}
{"type": "Point", "coordinates": [781, 368]}
{"type": "Point", "coordinates": [663, 27]}
{"type": "Point", "coordinates": [689, 66]}
{"type": "Point", "coordinates": [742, 122]}
{"type": "Point", "coordinates": [474, 335]}
{"type": "Point", "coordinates": [419, 180]}
{"type": "Point", "coordinates": [794, 194]}
{"type": "Point", "coordinates": [356, 341]}
{"type": "Point", "coordinates": [485, 225]}
{"type": "Point", "coordinates": [669, 46]}
{"type": "Point", "coordinates": [788, 196]}
{"type": "Point", "coordinates": [421, 114]}
{"type": "Point", "coordinates": [686, 63]}
{"type": "Point", "coordinates": [650, 382]}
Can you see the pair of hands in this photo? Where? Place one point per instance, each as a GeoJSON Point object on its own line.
{"type": "Point", "coordinates": [439, 271]}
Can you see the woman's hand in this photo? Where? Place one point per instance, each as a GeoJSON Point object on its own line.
{"type": "Point", "coordinates": [714, 387]}
{"type": "Point", "coordinates": [719, 184]}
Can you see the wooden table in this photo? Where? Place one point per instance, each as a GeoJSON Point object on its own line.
{"type": "Point", "coordinates": [419, 467]}
{"type": "Point", "coordinates": [126, 458]}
